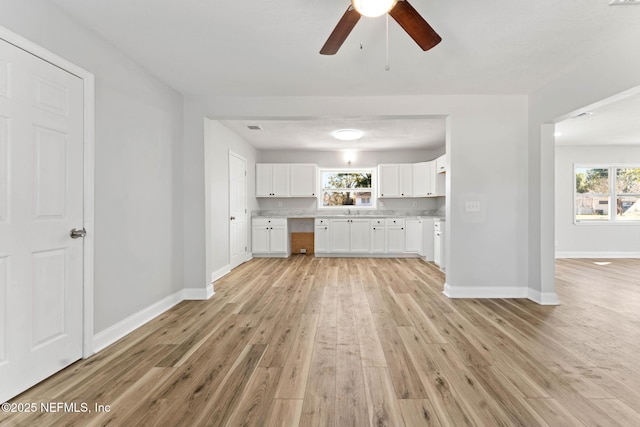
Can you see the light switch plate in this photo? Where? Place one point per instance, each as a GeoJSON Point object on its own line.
{"type": "Point", "coordinates": [472, 206]}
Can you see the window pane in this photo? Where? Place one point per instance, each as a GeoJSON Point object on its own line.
{"type": "Point", "coordinates": [590, 207]}
{"type": "Point", "coordinates": [628, 181]}
{"type": "Point", "coordinates": [592, 180]}
{"type": "Point", "coordinates": [347, 198]}
{"type": "Point", "coordinates": [628, 208]}
{"type": "Point", "coordinates": [346, 180]}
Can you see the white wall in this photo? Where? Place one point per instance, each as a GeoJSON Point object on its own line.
{"type": "Point", "coordinates": [590, 240]}
{"type": "Point", "coordinates": [614, 70]}
{"type": "Point", "coordinates": [487, 149]}
{"type": "Point", "coordinates": [138, 169]}
{"type": "Point", "coordinates": [218, 141]}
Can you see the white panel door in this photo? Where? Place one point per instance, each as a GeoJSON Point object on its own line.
{"type": "Point", "coordinates": [237, 210]}
{"type": "Point", "coordinates": [41, 200]}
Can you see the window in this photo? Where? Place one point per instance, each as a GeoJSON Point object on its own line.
{"type": "Point", "coordinates": [607, 194]}
{"type": "Point", "coordinates": [347, 188]}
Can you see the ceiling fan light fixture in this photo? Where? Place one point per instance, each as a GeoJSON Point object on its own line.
{"type": "Point", "coordinates": [347, 134]}
{"type": "Point", "coordinates": [373, 8]}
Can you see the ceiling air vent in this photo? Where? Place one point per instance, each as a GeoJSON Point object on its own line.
{"type": "Point", "coordinates": [254, 127]}
{"type": "Point", "coordinates": [624, 2]}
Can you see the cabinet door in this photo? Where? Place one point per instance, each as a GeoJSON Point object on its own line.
{"type": "Point", "coordinates": [359, 236]}
{"type": "Point", "coordinates": [413, 235]}
{"type": "Point", "coordinates": [260, 239]}
{"type": "Point", "coordinates": [388, 181]}
{"type": "Point", "coordinates": [422, 179]}
{"type": "Point", "coordinates": [395, 236]}
{"type": "Point", "coordinates": [339, 236]}
{"type": "Point", "coordinates": [427, 238]}
{"type": "Point", "coordinates": [302, 179]}
{"type": "Point", "coordinates": [377, 238]}
{"type": "Point", "coordinates": [278, 239]}
{"type": "Point", "coordinates": [321, 239]}
{"type": "Point", "coordinates": [406, 180]}
{"type": "Point", "coordinates": [280, 179]}
{"type": "Point", "coordinates": [264, 175]}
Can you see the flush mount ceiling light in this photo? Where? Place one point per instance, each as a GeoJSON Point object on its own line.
{"type": "Point", "coordinates": [347, 134]}
{"type": "Point", "coordinates": [373, 8]}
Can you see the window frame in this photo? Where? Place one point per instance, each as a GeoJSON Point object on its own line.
{"type": "Point", "coordinates": [612, 195]}
{"type": "Point", "coordinates": [321, 188]}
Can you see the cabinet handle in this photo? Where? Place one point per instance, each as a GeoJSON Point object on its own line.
{"type": "Point", "coordinates": [401, 228]}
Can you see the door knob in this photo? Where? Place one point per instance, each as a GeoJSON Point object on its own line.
{"type": "Point", "coordinates": [232, 218]}
{"type": "Point", "coordinates": [76, 234]}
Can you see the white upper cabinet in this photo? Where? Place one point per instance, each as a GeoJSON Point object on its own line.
{"type": "Point", "coordinates": [423, 179]}
{"type": "Point", "coordinates": [272, 180]}
{"type": "Point", "coordinates": [406, 179]}
{"type": "Point", "coordinates": [411, 180]}
{"type": "Point", "coordinates": [388, 181]}
{"type": "Point", "coordinates": [285, 180]}
{"type": "Point", "coordinates": [302, 180]}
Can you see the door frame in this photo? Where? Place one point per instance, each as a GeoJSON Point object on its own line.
{"type": "Point", "coordinates": [246, 204]}
{"type": "Point", "coordinates": [89, 172]}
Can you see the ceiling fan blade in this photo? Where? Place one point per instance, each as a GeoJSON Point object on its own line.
{"type": "Point", "coordinates": [415, 25]}
{"type": "Point", "coordinates": [340, 33]}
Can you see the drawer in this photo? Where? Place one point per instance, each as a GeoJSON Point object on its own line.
{"type": "Point", "coordinates": [395, 221]}
{"type": "Point", "coordinates": [263, 221]}
{"type": "Point", "coordinates": [322, 221]}
{"type": "Point", "coordinates": [377, 222]}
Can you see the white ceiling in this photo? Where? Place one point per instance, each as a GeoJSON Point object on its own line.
{"type": "Point", "coordinates": [270, 48]}
{"type": "Point", "coordinates": [380, 133]}
{"type": "Point", "coordinates": [615, 123]}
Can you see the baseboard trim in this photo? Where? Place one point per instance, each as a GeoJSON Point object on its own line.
{"type": "Point", "coordinates": [220, 273]}
{"type": "Point", "coordinates": [605, 255]}
{"type": "Point", "coordinates": [543, 298]}
{"type": "Point", "coordinates": [484, 291]}
{"type": "Point", "coordinates": [199, 294]}
{"type": "Point", "coordinates": [105, 338]}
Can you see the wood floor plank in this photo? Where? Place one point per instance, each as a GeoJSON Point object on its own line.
{"type": "Point", "coordinates": [383, 406]}
{"type": "Point", "coordinates": [286, 412]}
{"type": "Point", "coordinates": [418, 413]}
{"type": "Point", "coordinates": [339, 342]}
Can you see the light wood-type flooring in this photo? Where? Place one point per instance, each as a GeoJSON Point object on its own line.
{"type": "Point", "coordinates": [360, 342]}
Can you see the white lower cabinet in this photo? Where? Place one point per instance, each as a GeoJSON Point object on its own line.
{"type": "Point", "coordinates": [377, 236]}
{"type": "Point", "coordinates": [321, 236]}
{"type": "Point", "coordinates": [349, 235]}
{"type": "Point", "coordinates": [413, 235]}
{"type": "Point", "coordinates": [269, 237]}
{"type": "Point", "coordinates": [395, 235]}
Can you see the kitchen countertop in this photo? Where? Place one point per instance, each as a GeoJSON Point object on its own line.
{"type": "Point", "coordinates": [357, 214]}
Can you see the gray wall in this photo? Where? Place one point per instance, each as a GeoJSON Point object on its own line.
{"type": "Point", "coordinates": [590, 240]}
{"type": "Point", "coordinates": [138, 169]}
{"type": "Point", "coordinates": [219, 141]}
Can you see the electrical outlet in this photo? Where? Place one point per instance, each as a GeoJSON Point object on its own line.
{"type": "Point", "coordinates": [303, 251]}
{"type": "Point", "coordinates": [472, 207]}
{"type": "Point", "coordinates": [279, 204]}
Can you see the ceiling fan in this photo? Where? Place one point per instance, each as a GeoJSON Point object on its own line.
{"type": "Point", "coordinates": [400, 10]}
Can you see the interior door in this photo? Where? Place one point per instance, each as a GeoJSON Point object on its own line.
{"type": "Point", "coordinates": [41, 200]}
{"type": "Point", "coordinates": [237, 210]}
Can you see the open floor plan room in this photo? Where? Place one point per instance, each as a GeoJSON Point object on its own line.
{"type": "Point", "coordinates": [311, 341]}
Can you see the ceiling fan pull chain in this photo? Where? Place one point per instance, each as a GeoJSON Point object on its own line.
{"type": "Point", "coordinates": [387, 67]}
